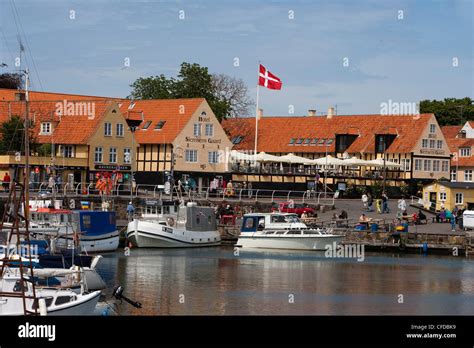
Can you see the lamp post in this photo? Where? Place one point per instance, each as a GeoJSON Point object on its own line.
{"type": "Point", "coordinates": [133, 126]}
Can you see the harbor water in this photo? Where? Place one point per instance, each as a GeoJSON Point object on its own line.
{"type": "Point", "coordinates": [219, 281]}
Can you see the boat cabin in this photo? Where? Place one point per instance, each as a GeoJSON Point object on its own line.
{"type": "Point", "coordinates": [259, 222]}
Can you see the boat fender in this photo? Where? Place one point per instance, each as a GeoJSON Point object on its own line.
{"type": "Point", "coordinates": [170, 221]}
{"type": "Point", "coordinates": [42, 307]}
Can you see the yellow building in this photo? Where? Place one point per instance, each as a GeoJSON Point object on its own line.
{"type": "Point", "coordinates": [448, 194]}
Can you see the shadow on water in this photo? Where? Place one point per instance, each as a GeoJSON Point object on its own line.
{"type": "Point", "coordinates": [227, 281]}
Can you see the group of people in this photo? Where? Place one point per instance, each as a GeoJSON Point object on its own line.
{"type": "Point", "coordinates": [381, 204]}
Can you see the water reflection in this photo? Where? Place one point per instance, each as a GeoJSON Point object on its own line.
{"type": "Point", "coordinates": [215, 281]}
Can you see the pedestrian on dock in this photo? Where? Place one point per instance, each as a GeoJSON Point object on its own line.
{"type": "Point", "coordinates": [453, 224]}
{"type": "Point", "coordinates": [378, 204]}
{"type": "Point", "coordinates": [130, 210]}
{"type": "Point", "coordinates": [365, 201]}
{"type": "Point", "coordinates": [385, 208]}
{"type": "Point", "coordinates": [370, 202]}
{"type": "Point", "coordinates": [6, 182]}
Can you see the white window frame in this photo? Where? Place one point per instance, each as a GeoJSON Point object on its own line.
{"type": "Point", "coordinates": [439, 144]}
{"type": "Point", "coordinates": [46, 128]}
{"type": "Point", "coordinates": [432, 128]}
{"type": "Point", "coordinates": [456, 195]}
{"type": "Point", "coordinates": [64, 151]}
{"type": "Point", "coordinates": [436, 165]}
{"type": "Point", "coordinates": [213, 157]}
{"type": "Point", "coordinates": [113, 154]}
{"type": "Point", "coordinates": [209, 130]}
{"type": "Point", "coordinates": [99, 153]}
{"type": "Point", "coordinates": [442, 196]}
{"type": "Point", "coordinates": [107, 129]}
{"type": "Point", "coordinates": [119, 128]}
{"type": "Point", "coordinates": [453, 175]}
{"type": "Point", "coordinates": [465, 152]}
{"type": "Point", "coordinates": [468, 175]}
{"type": "Point", "coordinates": [445, 166]}
{"type": "Point", "coordinates": [418, 164]}
{"type": "Point", "coordinates": [424, 143]}
{"type": "Point", "coordinates": [197, 130]}
{"type": "Point", "coordinates": [432, 143]}
{"type": "Point", "coordinates": [427, 164]}
{"type": "Point", "coordinates": [191, 156]}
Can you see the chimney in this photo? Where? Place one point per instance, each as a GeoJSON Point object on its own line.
{"type": "Point", "coordinates": [260, 113]}
{"type": "Point", "coordinates": [311, 112]}
{"type": "Point", "coordinates": [330, 113]}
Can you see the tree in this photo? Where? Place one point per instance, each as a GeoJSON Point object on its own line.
{"type": "Point", "coordinates": [226, 95]}
{"type": "Point", "coordinates": [10, 81]}
{"type": "Point", "coordinates": [235, 92]}
{"type": "Point", "coordinates": [450, 111]}
{"type": "Point", "coordinates": [12, 136]}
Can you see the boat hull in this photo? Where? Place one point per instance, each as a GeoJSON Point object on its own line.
{"type": "Point", "coordinates": [289, 242]}
{"type": "Point", "coordinates": [102, 243]}
{"type": "Point", "coordinates": [146, 234]}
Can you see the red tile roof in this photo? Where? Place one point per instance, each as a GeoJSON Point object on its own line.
{"type": "Point", "coordinates": [454, 143]}
{"type": "Point", "coordinates": [67, 129]}
{"type": "Point", "coordinates": [275, 132]}
{"type": "Point", "coordinates": [175, 113]}
{"type": "Point", "coordinates": [10, 95]}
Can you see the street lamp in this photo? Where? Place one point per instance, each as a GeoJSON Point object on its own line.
{"type": "Point", "coordinates": [133, 126]}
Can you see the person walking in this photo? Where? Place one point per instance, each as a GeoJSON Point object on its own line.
{"type": "Point", "coordinates": [385, 208]}
{"type": "Point", "coordinates": [378, 204]}
{"type": "Point", "coordinates": [365, 200]}
{"type": "Point", "coordinates": [130, 210]}
{"type": "Point", "coordinates": [370, 202]}
{"type": "Point", "coordinates": [6, 182]}
{"type": "Point", "coordinates": [453, 223]}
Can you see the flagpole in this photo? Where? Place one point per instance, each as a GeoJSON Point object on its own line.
{"type": "Point", "coordinates": [256, 111]}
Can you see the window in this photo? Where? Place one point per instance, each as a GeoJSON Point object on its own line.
{"type": "Point", "coordinates": [209, 130]}
{"type": "Point", "coordinates": [432, 128]}
{"type": "Point", "coordinates": [86, 221]}
{"type": "Point", "coordinates": [453, 175]}
{"type": "Point", "coordinates": [68, 151]}
{"type": "Point", "coordinates": [160, 125]}
{"type": "Point", "coordinates": [307, 141]}
{"type": "Point", "coordinates": [439, 144]}
{"type": "Point", "coordinates": [237, 140]}
{"type": "Point", "coordinates": [406, 164]}
{"type": "Point", "coordinates": [127, 155]}
{"type": "Point", "coordinates": [213, 157]}
{"type": "Point", "coordinates": [424, 143]}
{"type": "Point", "coordinates": [197, 130]}
{"type": "Point", "coordinates": [98, 155]}
{"type": "Point", "coordinates": [329, 141]}
{"type": "Point", "coordinates": [432, 143]}
{"type": "Point", "coordinates": [146, 125]}
{"type": "Point", "coordinates": [120, 129]}
{"type": "Point", "coordinates": [435, 166]}
{"type": "Point", "coordinates": [314, 141]}
{"type": "Point", "coordinates": [191, 156]}
{"type": "Point", "coordinates": [299, 141]}
{"type": "Point", "coordinates": [468, 175]}
{"type": "Point", "coordinates": [442, 196]}
{"type": "Point", "coordinates": [108, 129]}
{"type": "Point", "coordinates": [113, 155]}
{"type": "Point", "coordinates": [465, 152]}
{"type": "Point", "coordinates": [445, 166]}
{"type": "Point", "coordinates": [46, 128]}
{"type": "Point", "coordinates": [459, 198]}
{"type": "Point", "coordinates": [322, 141]}
{"type": "Point", "coordinates": [292, 141]}
{"type": "Point", "coordinates": [427, 165]}
{"type": "Point", "coordinates": [418, 164]}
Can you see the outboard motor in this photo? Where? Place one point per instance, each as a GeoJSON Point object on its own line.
{"type": "Point", "coordinates": [118, 294]}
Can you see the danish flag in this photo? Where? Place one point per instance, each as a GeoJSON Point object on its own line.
{"type": "Point", "coordinates": [267, 79]}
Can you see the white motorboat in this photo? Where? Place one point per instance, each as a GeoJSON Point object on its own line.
{"type": "Point", "coordinates": [48, 301]}
{"type": "Point", "coordinates": [283, 231]}
{"type": "Point", "coordinates": [184, 227]}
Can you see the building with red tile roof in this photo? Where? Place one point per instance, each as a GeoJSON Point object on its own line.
{"type": "Point", "coordinates": [415, 141]}
{"type": "Point", "coordinates": [461, 144]}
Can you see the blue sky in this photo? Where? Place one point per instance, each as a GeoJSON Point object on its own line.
{"type": "Point", "coordinates": [403, 60]}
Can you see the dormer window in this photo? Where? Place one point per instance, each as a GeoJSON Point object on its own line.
{"type": "Point", "coordinates": [45, 127]}
{"type": "Point", "coordinates": [160, 125]}
{"type": "Point", "coordinates": [146, 125]}
{"type": "Point", "coordinates": [465, 152]}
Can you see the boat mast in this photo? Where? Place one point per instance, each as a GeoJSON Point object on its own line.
{"type": "Point", "coordinates": [26, 179]}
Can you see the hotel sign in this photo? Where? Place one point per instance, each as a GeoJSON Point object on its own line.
{"type": "Point", "coordinates": [202, 141]}
{"type": "Point", "coordinates": [432, 152]}
{"type": "Point", "coordinates": [111, 167]}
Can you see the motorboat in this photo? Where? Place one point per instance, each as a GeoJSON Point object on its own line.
{"type": "Point", "coordinates": [283, 231]}
{"type": "Point", "coordinates": [44, 300]}
{"type": "Point", "coordinates": [171, 226]}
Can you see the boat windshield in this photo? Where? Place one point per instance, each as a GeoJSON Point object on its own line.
{"type": "Point", "coordinates": [292, 219]}
{"type": "Point", "coordinates": [285, 219]}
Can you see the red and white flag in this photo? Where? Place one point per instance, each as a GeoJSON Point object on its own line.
{"type": "Point", "coordinates": [267, 79]}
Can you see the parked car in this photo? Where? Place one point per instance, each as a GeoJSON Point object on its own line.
{"type": "Point", "coordinates": [295, 209]}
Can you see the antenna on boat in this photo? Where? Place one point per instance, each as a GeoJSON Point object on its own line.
{"type": "Point", "coordinates": [17, 210]}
